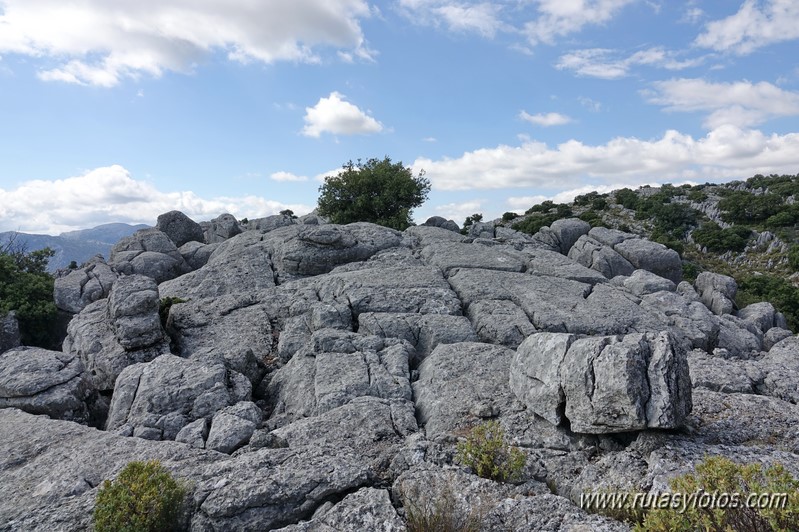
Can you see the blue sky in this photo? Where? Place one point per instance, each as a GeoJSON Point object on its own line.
{"type": "Point", "coordinates": [114, 110]}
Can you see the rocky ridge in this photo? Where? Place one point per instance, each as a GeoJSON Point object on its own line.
{"type": "Point", "coordinates": [310, 376]}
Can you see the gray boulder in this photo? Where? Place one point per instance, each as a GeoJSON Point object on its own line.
{"type": "Point", "coordinates": [717, 292]}
{"type": "Point", "coordinates": [194, 434]}
{"type": "Point", "coordinates": [450, 255]}
{"type": "Point", "coordinates": [179, 228]}
{"type": "Point", "coordinates": [233, 426]}
{"type": "Point", "coordinates": [368, 424]}
{"type": "Point", "coordinates": [739, 338]}
{"type": "Point", "coordinates": [220, 229]}
{"type": "Point", "coordinates": [438, 221]}
{"type": "Point", "coordinates": [87, 284]}
{"type": "Point", "coordinates": [270, 223]}
{"type": "Point", "coordinates": [148, 252]}
{"type": "Point", "coordinates": [402, 289]}
{"type": "Point", "coordinates": [554, 264]}
{"type": "Point", "coordinates": [780, 367]}
{"type": "Point", "coordinates": [231, 330]}
{"type": "Point", "coordinates": [481, 230]}
{"type": "Point", "coordinates": [723, 375]}
{"type": "Point", "coordinates": [761, 314]}
{"type": "Point", "coordinates": [366, 509]}
{"type": "Point", "coordinates": [156, 400]}
{"type": "Point", "coordinates": [651, 256]}
{"type": "Point", "coordinates": [690, 320]}
{"type": "Point", "coordinates": [642, 282]}
{"type": "Point", "coordinates": [303, 250]}
{"type": "Point", "coordinates": [423, 331]}
{"type": "Point", "coordinates": [9, 332]}
{"type": "Point", "coordinates": [603, 384]}
{"type": "Point", "coordinates": [196, 254]}
{"type": "Point", "coordinates": [425, 235]}
{"type": "Point", "coordinates": [609, 237]}
{"type": "Point", "coordinates": [600, 257]}
{"type": "Point", "coordinates": [500, 322]}
{"type": "Point", "coordinates": [568, 231]}
{"type": "Point", "coordinates": [92, 337]}
{"type": "Point", "coordinates": [238, 265]}
{"type": "Point", "coordinates": [133, 306]}
{"type": "Point", "coordinates": [460, 384]}
{"type": "Point", "coordinates": [774, 336]}
{"type": "Point", "coordinates": [44, 382]}
{"type": "Point", "coordinates": [335, 367]}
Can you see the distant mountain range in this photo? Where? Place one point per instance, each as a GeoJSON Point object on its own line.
{"type": "Point", "coordinates": [79, 245]}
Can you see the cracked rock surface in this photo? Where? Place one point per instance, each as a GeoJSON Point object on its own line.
{"type": "Point", "coordinates": [312, 376]}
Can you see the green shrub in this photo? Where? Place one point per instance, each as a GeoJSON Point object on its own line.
{"type": "Point", "coordinates": [470, 221]}
{"type": "Point", "coordinates": [743, 207]}
{"type": "Point", "coordinates": [486, 452]}
{"type": "Point", "coordinates": [508, 216]}
{"type": "Point", "coordinates": [716, 239]}
{"type": "Point", "coordinates": [627, 198]}
{"type": "Point", "coordinates": [793, 257]}
{"type": "Point", "coordinates": [721, 475]}
{"type": "Point", "coordinates": [776, 290]}
{"type": "Point", "coordinates": [27, 288]}
{"type": "Point", "coordinates": [783, 218]}
{"type": "Point", "coordinates": [143, 498]}
{"type": "Point", "coordinates": [697, 195]}
{"type": "Point", "coordinates": [441, 515]}
{"type": "Point", "coordinates": [288, 212]}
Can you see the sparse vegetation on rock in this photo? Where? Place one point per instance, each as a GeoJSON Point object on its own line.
{"type": "Point", "coordinates": [143, 498]}
{"type": "Point", "coordinates": [486, 452]}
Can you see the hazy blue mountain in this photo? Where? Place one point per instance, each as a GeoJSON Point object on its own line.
{"type": "Point", "coordinates": [78, 245]}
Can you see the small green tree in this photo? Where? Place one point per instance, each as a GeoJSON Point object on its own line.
{"type": "Point", "coordinates": [486, 452]}
{"type": "Point", "coordinates": [143, 498]}
{"type": "Point", "coordinates": [376, 191]}
{"type": "Point", "coordinates": [27, 288]}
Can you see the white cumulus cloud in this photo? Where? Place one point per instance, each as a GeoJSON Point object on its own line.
{"type": "Point", "coordinates": [756, 24]}
{"type": "Point", "coordinates": [483, 18]}
{"type": "Point", "coordinates": [558, 18]}
{"type": "Point", "coordinates": [611, 64]}
{"type": "Point", "coordinates": [110, 194]}
{"type": "Point", "coordinates": [740, 103]}
{"type": "Point", "coordinates": [336, 115]}
{"type": "Point", "coordinates": [100, 42]}
{"type": "Point", "coordinates": [546, 120]}
{"type": "Point", "coordinates": [725, 152]}
{"type": "Point", "coordinates": [287, 176]}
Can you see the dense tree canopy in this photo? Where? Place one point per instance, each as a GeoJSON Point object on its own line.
{"type": "Point", "coordinates": [376, 191]}
{"type": "Point", "coordinates": [27, 289]}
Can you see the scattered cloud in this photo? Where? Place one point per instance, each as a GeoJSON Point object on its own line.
{"type": "Point", "coordinates": [740, 103]}
{"type": "Point", "coordinates": [756, 24]}
{"type": "Point", "coordinates": [692, 15]}
{"type": "Point", "coordinates": [100, 43]}
{"type": "Point", "coordinates": [110, 194]}
{"type": "Point", "coordinates": [558, 18]}
{"type": "Point", "coordinates": [725, 152]}
{"type": "Point", "coordinates": [429, 139]}
{"type": "Point", "coordinates": [482, 18]}
{"type": "Point", "coordinates": [546, 120]}
{"type": "Point", "coordinates": [590, 104]}
{"type": "Point", "coordinates": [336, 115]}
{"type": "Point", "coordinates": [287, 176]}
{"type": "Point", "coordinates": [608, 64]}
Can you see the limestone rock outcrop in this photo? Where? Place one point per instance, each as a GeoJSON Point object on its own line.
{"type": "Point", "coordinates": [300, 375]}
{"type": "Point", "coordinates": [603, 384]}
